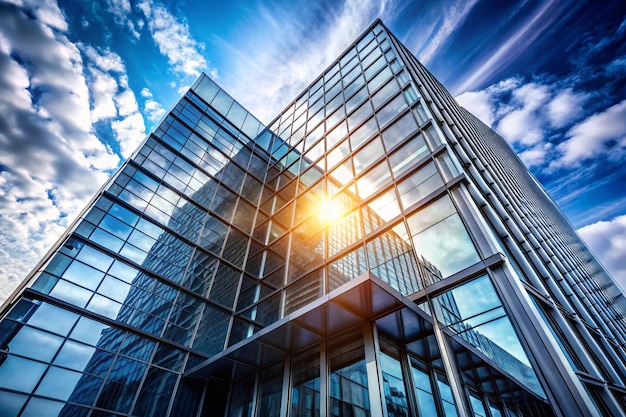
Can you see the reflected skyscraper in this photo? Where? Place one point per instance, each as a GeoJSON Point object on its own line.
{"type": "Point", "coordinates": [374, 251]}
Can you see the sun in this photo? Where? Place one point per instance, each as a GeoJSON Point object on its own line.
{"type": "Point", "coordinates": [330, 211]}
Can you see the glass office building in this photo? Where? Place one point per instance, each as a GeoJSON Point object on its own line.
{"type": "Point", "coordinates": [374, 251]}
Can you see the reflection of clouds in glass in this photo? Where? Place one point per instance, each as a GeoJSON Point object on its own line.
{"type": "Point", "coordinates": [447, 246]}
{"type": "Point", "coordinates": [431, 214]}
{"type": "Point", "coordinates": [474, 311]}
{"type": "Point", "coordinates": [104, 306]}
{"type": "Point", "coordinates": [343, 173]}
{"type": "Point", "coordinates": [475, 297]}
{"type": "Point", "coordinates": [502, 334]}
{"type": "Point", "coordinates": [386, 206]}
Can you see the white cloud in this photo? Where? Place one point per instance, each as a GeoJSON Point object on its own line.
{"type": "Point", "coordinates": [104, 60]}
{"type": "Point", "coordinates": [174, 40]}
{"type": "Point", "coordinates": [112, 98]}
{"type": "Point", "coordinates": [126, 103]}
{"type": "Point", "coordinates": [601, 133]}
{"type": "Point", "coordinates": [152, 108]}
{"type": "Point", "coordinates": [524, 123]}
{"type": "Point", "coordinates": [488, 104]}
{"type": "Point", "coordinates": [43, 155]}
{"type": "Point", "coordinates": [129, 132]}
{"type": "Point", "coordinates": [607, 239]}
{"type": "Point", "coordinates": [51, 161]}
{"type": "Point", "coordinates": [453, 18]}
{"type": "Point", "coordinates": [528, 114]}
{"type": "Point", "coordinates": [516, 44]}
{"type": "Point", "coordinates": [565, 107]}
{"type": "Point", "coordinates": [283, 51]}
{"type": "Point", "coordinates": [103, 88]}
{"type": "Point", "coordinates": [536, 156]}
{"type": "Point", "coordinates": [480, 104]}
{"type": "Point", "coordinates": [123, 14]}
{"type": "Point", "coordinates": [45, 11]}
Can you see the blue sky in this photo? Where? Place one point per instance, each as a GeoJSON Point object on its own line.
{"type": "Point", "coordinates": [81, 82]}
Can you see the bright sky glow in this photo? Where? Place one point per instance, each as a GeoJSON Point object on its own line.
{"type": "Point", "coordinates": [330, 211]}
{"type": "Point", "coordinates": [82, 82]}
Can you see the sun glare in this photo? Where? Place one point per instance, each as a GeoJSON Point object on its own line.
{"type": "Point", "coordinates": [330, 211]}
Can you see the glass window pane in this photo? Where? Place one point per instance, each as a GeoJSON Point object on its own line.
{"type": "Point", "coordinates": [83, 275]}
{"type": "Point", "coordinates": [71, 293]}
{"type": "Point", "coordinates": [11, 403]}
{"type": "Point", "coordinates": [449, 409]}
{"type": "Point", "coordinates": [368, 154]}
{"type": "Point", "coordinates": [114, 288]}
{"type": "Point", "coordinates": [384, 94]}
{"type": "Point", "coordinates": [402, 159]}
{"type": "Point", "coordinates": [419, 185]}
{"type": "Point", "coordinates": [270, 391]}
{"type": "Point", "coordinates": [20, 374]}
{"type": "Point", "coordinates": [423, 392]}
{"type": "Point", "coordinates": [95, 258]}
{"type": "Point", "coordinates": [392, 259]}
{"type": "Point", "coordinates": [447, 246]}
{"type": "Point", "coordinates": [53, 318]}
{"type": "Point", "coordinates": [494, 410]}
{"type": "Point", "coordinates": [338, 154]}
{"type": "Point", "coordinates": [344, 232]}
{"type": "Point", "coordinates": [383, 208]}
{"type": "Point", "coordinates": [104, 306]}
{"type": "Point", "coordinates": [303, 292]}
{"type": "Point", "coordinates": [420, 113]}
{"type": "Point", "coordinates": [363, 133]}
{"type": "Point", "coordinates": [474, 311]}
{"type": "Point", "coordinates": [38, 407]}
{"type": "Point", "coordinates": [343, 173]}
{"type": "Point", "coordinates": [373, 180]}
{"type": "Point", "coordinates": [391, 110]}
{"type": "Point", "coordinates": [410, 95]}
{"type": "Point", "coordinates": [88, 331]}
{"type": "Point", "coordinates": [58, 383]}
{"type": "Point", "coordinates": [360, 114]}
{"type": "Point", "coordinates": [35, 344]}
{"type": "Point", "coordinates": [343, 270]}
{"type": "Point", "coordinates": [477, 405]}
{"type": "Point", "coordinates": [379, 79]}
{"type": "Point", "coordinates": [335, 135]}
{"type": "Point", "coordinates": [348, 379]}
{"type": "Point", "coordinates": [447, 166]}
{"type": "Point", "coordinates": [393, 387]}
{"type": "Point", "coordinates": [399, 130]}
{"type": "Point", "coordinates": [74, 355]}
{"type": "Point", "coordinates": [433, 136]}
{"type": "Point", "coordinates": [305, 391]}
{"type": "Point", "coordinates": [431, 214]}
{"type": "Point", "coordinates": [122, 271]}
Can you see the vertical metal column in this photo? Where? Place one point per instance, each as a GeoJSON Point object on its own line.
{"type": "Point", "coordinates": [286, 390]}
{"type": "Point", "coordinates": [447, 357]}
{"type": "Point", "coordinates": [374, 376]}
{"type": "Point", "coordinates": [324, 391]}
{"type": "Point", "coordinates": [561, 384]}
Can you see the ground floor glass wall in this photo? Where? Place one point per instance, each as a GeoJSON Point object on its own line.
{"type": "Point", "coordinates": [364, 372]}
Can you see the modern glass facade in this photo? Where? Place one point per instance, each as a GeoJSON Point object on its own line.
{"type": "Point", "coordinates": [375, 251]}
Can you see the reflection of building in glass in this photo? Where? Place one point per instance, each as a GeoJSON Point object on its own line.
{"type": "Point", "coordinates": [374, 251]}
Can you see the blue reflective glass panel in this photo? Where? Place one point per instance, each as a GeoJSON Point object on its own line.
{"type": "Point", "coordinates": [20, 374]}
{"type": "Point", "coordinates": [11, 403]}
{"type": "Point", "coordinates": [58, 383]}
{"type": "Point", "coordinates": [35, 344]}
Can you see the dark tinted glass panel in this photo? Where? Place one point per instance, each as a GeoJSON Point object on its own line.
{"type": "Point", "coordinates": [394, 389]}
{"type": "Point", "coordinates": [305, 392]}
{"type": "Point", "coordinates": [348, 378]}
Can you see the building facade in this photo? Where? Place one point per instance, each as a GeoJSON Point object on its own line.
{"type": "Point", "coordinates": [375, 251]}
